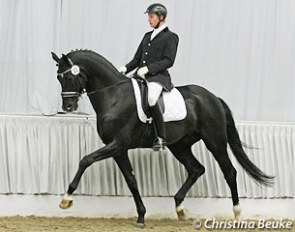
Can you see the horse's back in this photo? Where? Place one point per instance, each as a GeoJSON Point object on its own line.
{"type": "Point", "coordinates": [198, 93]}
{"type": "Point", "coordinates": [203, 103]}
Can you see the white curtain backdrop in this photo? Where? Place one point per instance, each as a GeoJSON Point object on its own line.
{"type": "Point", "coordinates": [38, 155]}
{"type": "Point", "coordinates": [241, 50]}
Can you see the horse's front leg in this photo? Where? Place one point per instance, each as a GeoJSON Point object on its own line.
{"type": "Point", "coordinates": [107, 151]}
{"type": "Point", "coordinates": [125, 166]}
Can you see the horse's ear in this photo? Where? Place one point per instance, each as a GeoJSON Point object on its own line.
{"type": "Point", "coordinates": [55, 57]}
{"type": "Point", "coordinates": [66, 59]}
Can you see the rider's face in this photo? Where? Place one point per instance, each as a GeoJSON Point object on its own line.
{"type": "Point", "coordinates": [153, 19]}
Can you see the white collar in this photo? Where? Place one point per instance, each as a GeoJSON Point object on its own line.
{"type": "Point", "coordinates": [158, 30]}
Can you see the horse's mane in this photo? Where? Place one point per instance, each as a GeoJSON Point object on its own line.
{"type": "Point", "coordinates": [90, 52]}
{"type": "Point", "coordinates": [83, 51]}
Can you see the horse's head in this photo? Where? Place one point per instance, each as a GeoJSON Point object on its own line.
{"type": "Point", "coordinates": [72, 81]}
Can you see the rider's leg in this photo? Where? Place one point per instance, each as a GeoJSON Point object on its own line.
{"type": "Point", "coordinates": [154, 92]}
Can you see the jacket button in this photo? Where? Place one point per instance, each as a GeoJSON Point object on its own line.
{"type": "Point", "coordinates": [143, 61]}
{"type": "Point", "coordinates": [146, 53]}
{"type": "Point", "coordinates": [149, 44]}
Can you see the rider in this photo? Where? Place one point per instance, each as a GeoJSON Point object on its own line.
{"type": "Point", "coordinates": [155, 54]}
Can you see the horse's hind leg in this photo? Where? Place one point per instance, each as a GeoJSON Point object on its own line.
{"type": "Point", "coordinates": [125, 166]}
{"type": "Point", "coordinates": [230, 174]}
{"type": "Point", "coordinates": [184, 155]}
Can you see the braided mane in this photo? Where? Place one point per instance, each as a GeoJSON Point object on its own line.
{"type": "Point", "coordinates": [87, 52]}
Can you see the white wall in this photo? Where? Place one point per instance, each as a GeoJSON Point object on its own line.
{"type": "Point", "coordinates": [242, 50]}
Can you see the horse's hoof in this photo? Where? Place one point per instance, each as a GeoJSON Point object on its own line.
{"type": "Point", "coordinates": [140, 225]}
{"type": "Point", "coordinates": [66, 203]}
{"type": "Point", "coordinates": [181, 213]}
{"type": "Point", "coordinates": [237, 212]}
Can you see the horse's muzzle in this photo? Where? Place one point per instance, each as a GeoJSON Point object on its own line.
{"type": "Point", "coordinates": [70, 105]}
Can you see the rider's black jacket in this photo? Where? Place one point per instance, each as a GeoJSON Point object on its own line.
{"type": "Point", "coordinates": [158, 55]}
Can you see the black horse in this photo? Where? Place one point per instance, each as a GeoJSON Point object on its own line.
{"type": "Point", "coordinates": [111, 95]}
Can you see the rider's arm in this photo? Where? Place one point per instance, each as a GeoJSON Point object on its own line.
{"type": "Point", "coordinates": [134, 63]}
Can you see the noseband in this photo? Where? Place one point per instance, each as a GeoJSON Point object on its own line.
{"type": "Point", "coordinates": [75, 70]}
{"type": "Point", "coordinates": [71, 94]}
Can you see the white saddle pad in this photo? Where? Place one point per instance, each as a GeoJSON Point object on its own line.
{"type": "Point", "coordinates": [175, 108]}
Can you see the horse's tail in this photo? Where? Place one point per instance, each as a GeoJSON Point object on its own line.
{"type": "Point", "coordinates": [238, 151]}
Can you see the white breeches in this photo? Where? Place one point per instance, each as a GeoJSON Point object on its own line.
{"type": "Point", "coordinates": [154, 92]}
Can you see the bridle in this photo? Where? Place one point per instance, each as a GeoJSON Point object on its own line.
{"type": "Point", "coordinates": [75, 70]}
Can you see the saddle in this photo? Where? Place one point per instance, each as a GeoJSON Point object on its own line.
{"type": "Point", "coordinates": [142, 84]}
{"type": "Point", "coordinates": [172, 103]}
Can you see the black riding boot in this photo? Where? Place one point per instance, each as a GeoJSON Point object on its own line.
{"type": "Point", "coordinates": [158, 121]}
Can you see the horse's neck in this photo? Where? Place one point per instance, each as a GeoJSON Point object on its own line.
{"type": "Point", "coordinates": [103, 81]}
{"type": "Point", "coordinates": [104, 100]}
{"type": "Point", "coordinates": [102, 77]}
{"type": "Point", "coordinates": [100, 73]}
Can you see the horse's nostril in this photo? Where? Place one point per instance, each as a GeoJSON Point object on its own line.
{"type": "Point", "coordinates": [68, 107]}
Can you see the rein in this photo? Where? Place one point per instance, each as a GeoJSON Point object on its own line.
{"type": "Point", "coordinates": [96, 91]}
{"type": "Point", "coordinates": [78, 94]}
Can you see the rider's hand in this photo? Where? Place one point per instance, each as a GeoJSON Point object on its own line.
{"type": "Point", "coordinates": [142, 71]}
{"type": "Point", "coordinates": [123, 70]}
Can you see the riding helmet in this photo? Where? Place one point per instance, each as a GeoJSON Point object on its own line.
{"type": "Point", "coordinates": [158, 9]}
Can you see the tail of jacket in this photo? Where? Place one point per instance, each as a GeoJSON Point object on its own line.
{"type": "Point", "coordinates": [238, 151]}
